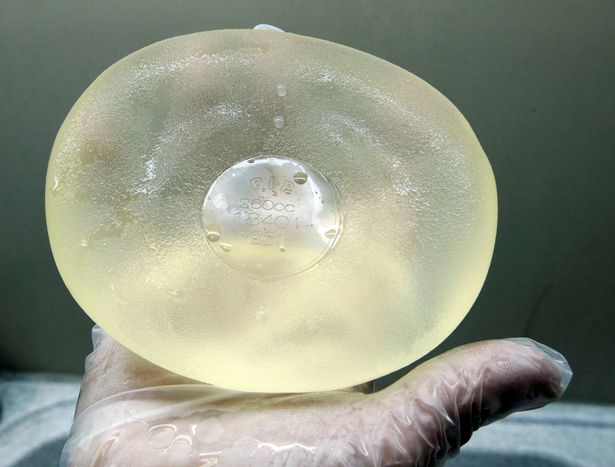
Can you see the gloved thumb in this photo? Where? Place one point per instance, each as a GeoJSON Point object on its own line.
{"type": "Point", "coordinates": [434, 409]}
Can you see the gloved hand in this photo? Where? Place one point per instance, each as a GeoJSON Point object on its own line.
{"type": "Point", "coordinates": [133, 413]}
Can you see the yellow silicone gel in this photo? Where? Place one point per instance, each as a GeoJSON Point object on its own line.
{"type": "Point", "coordinates": [270, 212]}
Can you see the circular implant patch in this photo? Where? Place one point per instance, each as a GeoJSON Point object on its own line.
{"type": "Point", "coordinates": [271, 217]}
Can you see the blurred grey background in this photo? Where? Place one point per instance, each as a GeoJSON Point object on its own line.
{"type": "Point", "coordinates": [535, 79]}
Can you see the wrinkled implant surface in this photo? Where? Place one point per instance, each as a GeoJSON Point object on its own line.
{"type": "Point", "coordinates": [126, 206]}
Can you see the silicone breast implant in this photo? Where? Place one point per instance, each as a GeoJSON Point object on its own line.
{"type": "Point", "coordinates": [270, 212]}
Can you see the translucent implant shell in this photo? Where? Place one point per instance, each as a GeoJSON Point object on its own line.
{"type": "Point", "coordinates": [271, 217]}
{"type": "Point", "coordinates": [269, 212]}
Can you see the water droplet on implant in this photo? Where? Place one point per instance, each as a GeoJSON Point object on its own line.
{"type": "Point", "coordinates": [282, 248]}
{"type": "Point", "coordinates": [300, 178]}
{"type": "Point", "coordinates": [331, 233]}
{"type": "Point", "coordinates": [226, 247]}
{"type": "Point", "coordinates": [261, 315]}
{"type": "Point", "coordinates": [278, 121]}
{"type": "Point", "coordinates": [213, 232]}
{"type": "Point", "coordinates": [281, 90]}
{"type": "Point", "coordinates": [56, 184]}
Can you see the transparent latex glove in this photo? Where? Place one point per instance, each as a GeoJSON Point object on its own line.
{"type": "Point", "coordinates": [133, 413]}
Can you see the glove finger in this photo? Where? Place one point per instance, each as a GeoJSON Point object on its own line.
{"type": "Point", "coordinates": [111, 369]}
{"type": "Point", "coordinates": [434, 409]}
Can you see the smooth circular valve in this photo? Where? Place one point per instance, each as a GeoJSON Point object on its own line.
{"type": "Point", "coordinates": [270, 212]}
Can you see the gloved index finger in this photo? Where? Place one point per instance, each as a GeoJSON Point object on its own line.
{"type": "Point", "coordinates": [111, 369]}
